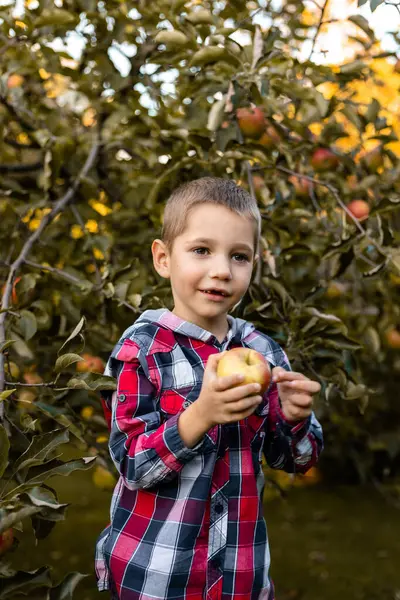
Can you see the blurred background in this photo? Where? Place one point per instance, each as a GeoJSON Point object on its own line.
{"type": "Point", "coordinates": [105, 108]}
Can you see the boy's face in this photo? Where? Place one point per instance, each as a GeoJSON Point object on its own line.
{"type": "Point", "coordinates": [214, 253]}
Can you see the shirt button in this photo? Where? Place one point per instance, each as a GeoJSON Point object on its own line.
{"type": "Point", "coordinates": [122, 397]}
{"type": "Point", "coordinates": [186, 404]}
{"type": "Point", "coordinates": [219, 508]}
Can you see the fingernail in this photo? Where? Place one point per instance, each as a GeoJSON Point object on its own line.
{"type": "Point", "coordinates": [257, 387]}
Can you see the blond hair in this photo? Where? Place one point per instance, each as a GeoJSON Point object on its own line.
{"type": "Point", "coordinates": [213, 190]}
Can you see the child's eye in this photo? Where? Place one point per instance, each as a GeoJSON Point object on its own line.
{"type": "Point", "coordinates": [201, 251]}
{"type": "Point", "coordinates": [241, 257]}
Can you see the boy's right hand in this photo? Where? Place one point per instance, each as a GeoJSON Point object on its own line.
{"type": "Point", "coordinates": [222, 399]}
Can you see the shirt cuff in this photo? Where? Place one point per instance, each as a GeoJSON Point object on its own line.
{"type": "Point", "coordinates": [175, 444]}
{"type": "Point", "coordinates": [297, 430]}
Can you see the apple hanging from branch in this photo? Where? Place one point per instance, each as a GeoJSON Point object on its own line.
{"type": "Point", "coordinates": [324, 159]}
{"type": "Point", "coordinates": [251, 121]}
{"type": "Point", "coordinates": [359, 209]}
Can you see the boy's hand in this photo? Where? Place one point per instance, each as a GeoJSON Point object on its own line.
{"type": "Point", "coordinates": [219, 401]}
{"type": "Point", "coordinates": [296, 393]}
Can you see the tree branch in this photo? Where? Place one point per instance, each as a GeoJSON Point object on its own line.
{"type": "Point", "coordinates": [59, 272]}
{"type": "Point", "coordinates": [20, 384]}
{"type": "Point", "coordinates": [320, 23]}
{"type": "Point", "coordinates": [21, 168]}
{"type": "Point", "coordinates": [58, 207]}
{"type": "Point", "coordinates": [336, 195]}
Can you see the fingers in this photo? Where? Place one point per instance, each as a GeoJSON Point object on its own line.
{"type": "Point", "coordinates": [295, 381]}
{"type": "Point", "coordinates": [213, 361]}
{"type": "Point", "coordinates": [246, 404]}
{"type": "Point", "coordinates": [307, 386]}
{"type": "Point", "coordinates": [222, 384]}
{"type": "Point", "coordinates": [280, 374]}
{"type": "Point", "coordinates": [242, 391]}
{"type": "Point", "coordinates": [301, 400]}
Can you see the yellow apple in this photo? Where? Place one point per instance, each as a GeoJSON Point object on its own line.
{"type": "Point", "coordinates": [247, 362]}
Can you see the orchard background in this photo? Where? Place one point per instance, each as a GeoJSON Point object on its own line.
{"type": "Point", "coordinates": [163, 92]}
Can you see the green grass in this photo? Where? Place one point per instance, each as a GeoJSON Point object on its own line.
{"type": "Point", "coordinates": [326, 544]}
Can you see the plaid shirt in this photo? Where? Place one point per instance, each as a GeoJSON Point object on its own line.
{"type": "Point", "coordinates": [187, 524]}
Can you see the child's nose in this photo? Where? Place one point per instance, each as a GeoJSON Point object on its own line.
{"type": "Point", "coordinates": [221, 268]}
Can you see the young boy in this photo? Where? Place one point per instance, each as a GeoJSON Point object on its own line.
{"type": "Point", "coordinates": [187, 515]}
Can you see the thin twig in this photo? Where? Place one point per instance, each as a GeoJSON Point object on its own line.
{"type": "Point", "coordinates": [394, 4]}
{"type": "Point", "coordinates": [59, 272]}
{"type": "Point", "coordinates": [20, 384]}
{"type": "Point", "coordinates": [320, 23]}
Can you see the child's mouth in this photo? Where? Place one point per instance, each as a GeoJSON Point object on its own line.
{"type": "Point", "coordinates": [215, 294]}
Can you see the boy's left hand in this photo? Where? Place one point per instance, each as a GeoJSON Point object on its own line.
{"type": "Point", "coordinates": [295, 392]}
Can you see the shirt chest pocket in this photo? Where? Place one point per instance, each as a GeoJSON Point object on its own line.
{"type": "Point", "coordinates": [172, 401]}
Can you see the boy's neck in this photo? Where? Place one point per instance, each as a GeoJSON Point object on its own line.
{"type": "Point", "coordinates": [219, 330]}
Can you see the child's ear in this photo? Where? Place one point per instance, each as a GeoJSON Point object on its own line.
{"type": "Point", "coordinates": [160, 258]}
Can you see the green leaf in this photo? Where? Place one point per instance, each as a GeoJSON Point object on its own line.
{"type": "Point", "coordinates": [4, 395]}
{"type": "Point", "coordinates": [4, 448]}
{"type": "Point", "coordinates": [65, 589]}
{"type": "Point", "coordinates": [65, 361]}
{"type": "Point", "coordinates": [171, 38]}
{"type": "Point", "coordinates": [6, 344]}
{"type": "Point", "coordinates": [216, 115]}
{"type": "Point", "coordinates": [363, 24]}
{"type": "Point", "coordinates": [362, 2]}
{"type": "Point", "coordinates": [373, 111]}
{"type": "Point", "coordinates": [75, 332]}
{"type": "Point", "coordinates": [39, 449]}
{"type": "Point", "coordinates": [356, 66]}
{"type": "Point", "coordinates": [27, 324]}
{"type": "Point", "coordinates": [92, 381]}
{"type": "Point", "coordinates": [211, 54]}
{"type": "Point", "coordinates": [375, 4]}
{"type": "Point", "coordinates": [44, 498]}
{"type": "Point", "coordinates": [54, 16]}
{"type": "Point", "coordinates": [341, 342]}
{"type": "Point", "coordinates": [24, 582]}
{"type": "Point", "coordinates": [41, 473]}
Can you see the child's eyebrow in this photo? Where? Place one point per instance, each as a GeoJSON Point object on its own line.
{"type": "Point", "coordinates": [208, 241]}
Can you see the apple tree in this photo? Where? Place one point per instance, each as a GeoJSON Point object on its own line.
{"type": "Point", "coordinates": [105, 108]}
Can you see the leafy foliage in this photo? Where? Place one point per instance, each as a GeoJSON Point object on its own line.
{"type": "Point", "coordinates": [92, 147]}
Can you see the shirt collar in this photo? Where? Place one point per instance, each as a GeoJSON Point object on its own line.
{"type": "Point", "coordinates": [238, 328]}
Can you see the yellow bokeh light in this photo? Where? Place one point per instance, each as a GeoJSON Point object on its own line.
{"type": "Point", "coordinates": [76, 232]}
{"type": "Point", "coordinates": [98, 254]}
{"type": "Point", "coordinates": [92, 226]}
{"type": "Point", "coordinates": [100, 208]}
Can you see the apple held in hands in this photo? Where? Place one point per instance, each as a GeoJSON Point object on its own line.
{"type": "Point", "coordinates": [249, 363]}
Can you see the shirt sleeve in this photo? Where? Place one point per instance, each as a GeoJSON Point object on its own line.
{"type": "Point", "coordinates": [144, 450]}
{"type": "Point", "coordinates": [291, 447]}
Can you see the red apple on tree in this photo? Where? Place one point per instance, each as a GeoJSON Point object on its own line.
{"type": "Point", "coordinates": [393, 338]}
{"type": "Point", "coordinates": [270, 138]}
{"type": "Point", "coordinates": [359, 209]}
{"type": "Point", "coordinates": [251, 121]}
{"type": "Point", "coordinates": [6, 540]}
{"type": "Point", "coordinates": [91, 363]}
{"type": "Point", "coordinates": [324, 159]}
{"type": "Point", "coordinates": [247, 362]}
{"type": "Point", "coordinates": [301, 185]}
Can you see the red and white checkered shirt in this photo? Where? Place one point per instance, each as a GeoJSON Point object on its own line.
{"type": "Point", "coordinates": [187, 524]}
